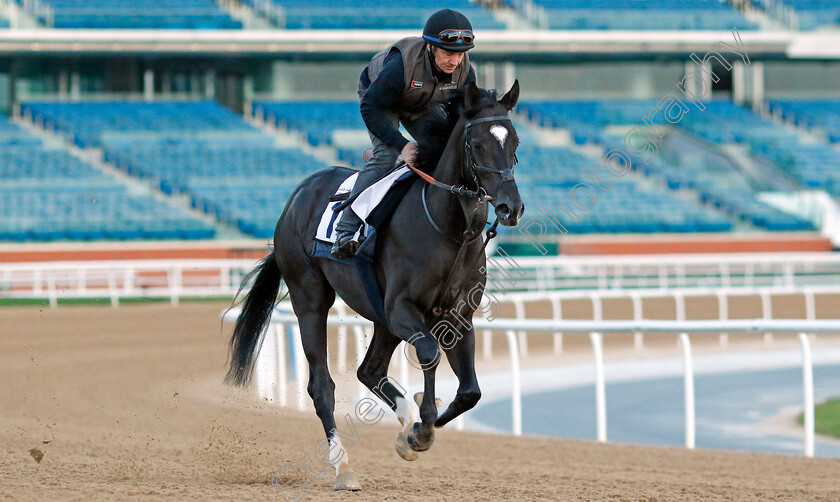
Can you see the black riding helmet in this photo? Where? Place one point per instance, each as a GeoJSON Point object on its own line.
{"type": "Point", "coordinates": [450, 30]}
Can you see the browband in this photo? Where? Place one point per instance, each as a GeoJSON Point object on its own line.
{"type": "Point", "coordinates": [486, 119]}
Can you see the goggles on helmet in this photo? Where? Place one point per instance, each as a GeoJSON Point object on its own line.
{"type": "Point", "coordinates": [454, 37]}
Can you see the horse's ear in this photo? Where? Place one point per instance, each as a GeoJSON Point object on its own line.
{"type": "Point", "coordinates": [511, 97]}
{"type": "Point", "coordinates": [472, 96]}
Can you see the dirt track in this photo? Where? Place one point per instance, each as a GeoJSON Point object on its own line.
{"type": "Point", "coordinates": [127, 404]}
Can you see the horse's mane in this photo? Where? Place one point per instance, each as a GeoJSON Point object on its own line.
{"type": "Point", "coordinates": [437, 125]}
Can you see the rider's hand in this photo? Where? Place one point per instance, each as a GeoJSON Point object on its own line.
{"type": "Point", "coordinates": [409, 152]}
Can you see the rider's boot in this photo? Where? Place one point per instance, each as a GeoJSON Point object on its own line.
{"type": "Point", "coordinates": [345, 232]}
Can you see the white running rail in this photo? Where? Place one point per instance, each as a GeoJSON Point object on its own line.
{"type": "Point", "coordinates": [173, 279]}
{"type": "Point", "coordinates": [662, 271]}
{"type": "Point", "coordinates": [596, 331]}
{"type": "Point", "coordinates": [221, 277]}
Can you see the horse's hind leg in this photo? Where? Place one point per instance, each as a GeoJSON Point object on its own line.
{"type": "Point", "coordinates": [311, 303]}
{"type": "Point", "coordinates": [373, 373]}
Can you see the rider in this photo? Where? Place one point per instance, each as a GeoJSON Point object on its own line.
{"type": "Point", "coordinates": [397, 87]}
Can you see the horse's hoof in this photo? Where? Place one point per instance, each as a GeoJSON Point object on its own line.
{"type": "Point", "coordinates": [418, 398]}
{"type": "Point", "coordinates": [403, 449]}
{"type": "Point", "coordinates": [347, 480]}
{"type": "Point", "coordinates": [420, 438]}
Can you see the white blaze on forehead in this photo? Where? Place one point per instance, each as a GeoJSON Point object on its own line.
{"type": "Point", "coordinates": [500, 133]}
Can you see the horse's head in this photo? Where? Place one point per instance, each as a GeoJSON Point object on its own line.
{"type": "Point", "coordinates": [490, 143]}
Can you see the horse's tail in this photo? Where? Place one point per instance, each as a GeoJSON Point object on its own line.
{"type": "Point", "coordinates": [252, 322]}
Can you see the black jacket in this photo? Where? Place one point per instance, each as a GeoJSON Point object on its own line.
{"type": "Point", "coordinates": [407, 94]}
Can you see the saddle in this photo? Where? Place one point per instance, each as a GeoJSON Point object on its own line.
{"type": "Point", "coordinates": [376, 206]}
{"type": "Point", "coordinates": [367, 154]}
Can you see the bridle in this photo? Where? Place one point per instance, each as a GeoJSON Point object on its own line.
{"type": "Point", "coordinates": [507, 174]}
{"type": "Point", "coordinates": [462, 191]}
{"type": "Point", "coordinates": [447, 294]}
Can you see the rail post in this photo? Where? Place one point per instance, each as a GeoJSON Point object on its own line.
{"type": "Point", "coordinates": [723, 314]}
{"type": "Point", "coordinates": [638, 314]}
{"type": "Point", "coordinates": [516, 392]}
{"type": "Point", "coordinates": [688, 388]}
{"type": "Point", "coordinates": [280, 362]}
{"type": "Point", "coordinates": [519, 308]}
{"type": "Point", "coordinates": [557, 315]}
{"type": "Point", "coordinates": [600, 392]}
{"type": "Point", "coordinates": [766, 312]}
{"type": "Point", "coordinates": [808, 391]}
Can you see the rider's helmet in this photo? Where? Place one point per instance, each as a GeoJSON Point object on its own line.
{"type": "Point", "coordinates": [450, 30]}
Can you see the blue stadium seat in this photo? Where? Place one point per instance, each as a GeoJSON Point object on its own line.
{"type": "Point", "coordinates": [639, 15]}
{"type": "Point", "coordinates": [357, 15]}
{"type": "Point", "coordinates": [48, 195]}
{"type": "Point", "coordinates": [717, 186]}
{"type": "Point", "coordinates": [227, 168]}
{"type": "Point", "coordinates": [133, 14]}
{"type": "Point", "coordinates": [812, 14]}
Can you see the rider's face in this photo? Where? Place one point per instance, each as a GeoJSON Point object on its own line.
{"type": "Point", "coordinates": [446, 60]}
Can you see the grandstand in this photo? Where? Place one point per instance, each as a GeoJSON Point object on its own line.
{"type": "Point", "coordinates": [821, 115]}
{"type": "Point", "coordinates": [226, 167]}
{"type": "Point", "coordinates": [707, 180]}
{"type": "Point", "coordinates": [813, 14]}
{"type": "Point", "coordinates": [643, 15]}
{"type": "Point", "coordinates": [356, 15]}
{"type": "Point", "coordinates": [635, 15]}
{"type": "Point", "coordinates": [48, 195]}
{"type": "Point", "coordinates": [216, 117]}
{"type": "Point", "coordinates": [234, 172]}
{"type": "Point", "coordinates": [131, 14]}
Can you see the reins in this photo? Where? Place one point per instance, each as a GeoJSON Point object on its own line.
{"type": "Point", "coordinates": [457, 190]}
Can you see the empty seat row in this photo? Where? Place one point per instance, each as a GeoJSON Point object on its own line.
{"type": "Point", "coordinates": [716, 185]}
{"type": "Point", "coordinates": [200, 149]}
{"type": "Point", "coordinates": [127, 14]}
{"type": "Point", "coordinates": [49, 194]}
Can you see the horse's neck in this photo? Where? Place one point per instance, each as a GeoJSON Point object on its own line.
{"type": "Point", "coordinates": [450, 211]}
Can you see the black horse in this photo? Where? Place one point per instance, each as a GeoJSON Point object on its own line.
{"type": "Point", "coordinates": [432, 239]}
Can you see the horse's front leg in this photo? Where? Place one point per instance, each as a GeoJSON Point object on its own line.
{"type": "Point", "coordinates": [461, 357]}
{"type": "Point", "coordinates": [407, 323]}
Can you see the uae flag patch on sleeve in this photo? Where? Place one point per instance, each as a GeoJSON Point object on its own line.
{"type": "Point", "coordinates": [415, 83]}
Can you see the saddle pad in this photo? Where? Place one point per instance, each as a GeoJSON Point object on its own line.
{"type": "Point", "coordinates": [364, 204]}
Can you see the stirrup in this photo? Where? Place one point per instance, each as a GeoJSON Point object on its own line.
{"type": "Point", "coordinates": [345, 246]}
